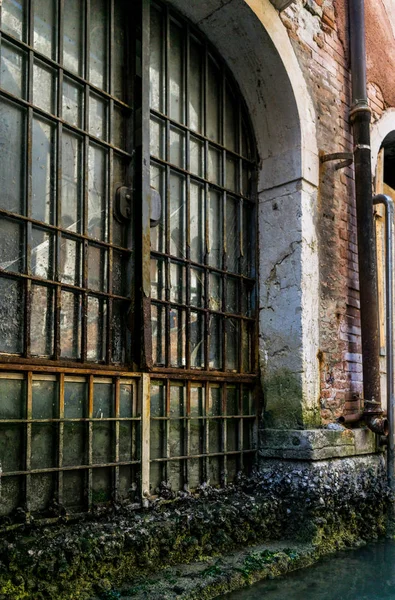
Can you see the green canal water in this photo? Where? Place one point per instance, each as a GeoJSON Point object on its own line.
{"type": "Point", "coordinates": [364, 574]}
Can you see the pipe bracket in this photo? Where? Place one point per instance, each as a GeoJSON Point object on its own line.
{"type": "Point", "coordinates": [346, 159]}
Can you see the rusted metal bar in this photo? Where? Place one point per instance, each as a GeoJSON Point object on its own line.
{"type": "Point", "coordinates": [144, 398]}
{"type": "Point", "coordinates": [60, 439]}
{"type": "Point", "coordinates": [117, 409]}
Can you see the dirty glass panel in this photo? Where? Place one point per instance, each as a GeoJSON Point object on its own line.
{"type": "Point", "coordinates": [118, 273]}
{"type": "Point", "coordinates": [74, 485]}
{"type": "Point", "coordinates": [97, 328]}
{"type": "Point", "coordinates": [158, 279]}
{"type": "Point", "coordinates": [157, 400]}
{"type": "Point", "coordinates": [71, 182]}
{"type": "Point", "coordinates": [127, 441]}
{"type": "Point", "coordinates": [102, 444]}
{"type": "Point", "coordinates": [248, 434]}
{"type": "Point", "coordinates": [44, 86]}
{"type": "Point", "coordinates": [196, 154]}
{"type": "Point", "coordinates": [232, 240]}
{"type": "Point", "coordinates": [197, 223]}
{"type": "Point", "coordinates": [97, 196]}
{"type": "Point", "coordinates": [97, 268]}
{"type": "Point", "coordinates": [12, 398]}
{"type": "Point", "coordinates": [45, 401]}
{"type": "Point", "coordinates": [157, 476]}
{"type": "Point", "coordinates": [119, 178]}
{"type": "Point", "coordinates": [213, 101]}
{"type": "Point", "coordinates": [103, 400]}
{"type": "Point", "coordinates": [232, 344]}
{"type": "Point", "coordinates": [156, 61]}
{"type": "Point", "coordinates": [42, 320]}
{"type": "Point", "coordinates": [75, 450]}
{"type": "Point", "coordinates": [157, 138]}
{"type": "Point", "coordinates": [42, 253]}
{"type": "Point", "coordinates": [119, 128]}
{"type": "Point", "coordinates": [13, 69]}
{"type": "Point", "coordinates": [215, 342]}
{"type": "Point", "coordinates": [43, 172]}
{"type": "Point", "coordinates": [98, 108]}
{"type": "Point", "coordinates": [215, 229]}
{"type": "Point", "coordinates": [177, 283]}
{"type": "Point", "coordinates": [11, 494]}
{"type": "Point", "coordinates": [197, 401]}
{"type": "Point", "coordinates": [232, 400]}
{"type": "Point", "coordinates": [176, 438]}
{"type": "Point", "coordinates": [177, 401]}
{"type": "Point", "coordinates": [73, 23]}
{"type": "Point", "coordinates": [176, 89]}
{"type": "Point", "coordinates": [12, 253]}
{"type": "Point", "coordinates": [13, 18]}
{"type": "Point", "coordinates": [72, 102]}
{"type": "Point", "coordinates": [12, 135]}
{"type": "Point", "coordinates": [177, 147]}
{"type": "Point", "coordinates": [248, 226]}
{"type": "Point", "coordinates": [177, 207]}
{"type": "Point", "coordinates": [158, 232]}
{"type": "Point", "coordinates": [157, 439]}
{"type": "Point", "coordinates": [177, 338]}
{"type": "Point", "coordinates": [12, 447]}
{"type": "Point", "coordinates": [127, 487]}
{"type": "Point", "coordinates": [232, 434]}
{"type": "Point", "coordinates": [70, 325]}
{"type": "Point", "coordinates": [42, 491]}
{"type": "Point", "coordinates": [197, 288]}
{"type": "Point", "coordinates": [127, 401]}
{"type": "Point", "coordinates": [232, 295]}
{"type": "Point", "coordinates": [118, 330]}
{"type": "Point", "coordinates": [44, 25]}
{"type": "Point", "coordinates": [101, 485]}
{"type": "Point", "coordinates": [197, 339]}
{"type": "Point", "coordinates": [232, 468]}
{"type": "Point", "coordinates": [75, 399]}
{"type": "Point", "coordinates": [43, 446]}
{"type": "Point", "coordinates": [248, 401]}
{"type": "Point", "coordinates": [118, 58]}
{"type": "Point", "coordinates": [158, 317]}
{"type": "Point", "coordinates": [70, 269]}
{"type": "Point", "coordinates": [246, 180]}
{"type": "Point", "coordinates": [98, 43]}
{"type": "Point", "coordinates": [215, 435]}
{"type": "Point", "coordinates": [230, 121]}
{"type": "Point", "coordinates": [196, 437]}
{"type": "Point", "coordinates": [195, 473]}
{"type": "Point", "coordinates": [215, 291]}
{"type": "Point", "coordinates": [11, 310]}
{"type": "Point", "coordinates": [246, 337]}
{"type": "Point", "coordinates": [231, 174]}
{"type": "Point", "coordinates": [176, 474]}
{"type": "Point", "coordinates": [195, 86]}
{"type": "Point", "coordinates": [215, 401]}
{"type": "Point", "coordinates": [214, 165]}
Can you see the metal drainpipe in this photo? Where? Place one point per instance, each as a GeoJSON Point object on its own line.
{"type": "Point", "coordinates": [360, 119]}
{"type": "Point", "coordinates": [389, 301]}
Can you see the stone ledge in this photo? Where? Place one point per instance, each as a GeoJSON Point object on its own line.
{"type": "Point", "coordinates": [316, 444]}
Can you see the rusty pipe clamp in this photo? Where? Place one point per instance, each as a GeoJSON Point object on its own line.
{"type": "Point", "coordinates": [373, 417]}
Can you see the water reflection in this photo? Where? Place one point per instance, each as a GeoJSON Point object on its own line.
{"type": "Point", "coordinates": [365, 574]}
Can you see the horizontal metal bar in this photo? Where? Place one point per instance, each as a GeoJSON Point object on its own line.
{"type": "Point", "coordinates": [202, 267]}
{"type": "Point", "coordinates": [193, 418]}
{"type": "Point", "coordinates": [208, 455]}
{"type": "Point", "coordinates": [65, 420]}
{"type": "Point", "coordinates": [67, 233]}
{"type": "Point", "coordinates": [52, 63]}
{"type": "Point", "coordinates": [199, 375]}
{"type": "Point", "coordinates": [201, 137]}
{"type": "Point", "coordinates": [201, 310]}
{"type": "Point", "coordinates": [68, 367]}
{"type": "Point", "coordinates": [74, 468]}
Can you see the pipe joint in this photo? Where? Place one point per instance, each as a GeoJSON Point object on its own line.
{"type": "Point", "coordinates": [373, 417]}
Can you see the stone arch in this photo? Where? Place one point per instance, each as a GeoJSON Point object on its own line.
{"type": "Point", "coordinates": [253, 41]}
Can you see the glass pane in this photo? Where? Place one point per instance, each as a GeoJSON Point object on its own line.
{"type": "Point", "coordinates": [232, 400]}
{"type": "Point", "coordinates": [197, 339]}
{"type": "Point", "coordinates": [44, 36]}
{"type": "Point", "coordinates": [177, 338]}
{"type": "Point", "coordinates": [232, 238]}
{"type": "Point", "coordinates": [72, 102]}
{"type": "Point", "coordinates": [177, 215]}
{"type": "Point", "coordinates": [127, 401]}
{"type": "Point", "coordinates": [97, 268]}
{"type": "Point", "coordinates": [246, 339]}
{"type": "Point", "coordinates": [44, 87]}
{"type": "Point", "coordinates": [13, 18]}
{"type": "Point", "coordinates": [71, 183]}
{"type": "Point", "coordinates": [157, 138]}
{"type": "Point", "coordinates": [42, 256]}
{"type": "Point", "coordinates": [118, 273]}
{"type": "Point", "coordinates": [248, 434]}
{"type": "Point", "coordinates": [12, 399]}
{"type": "Point", "coordinates": [42, 321]}
{"type": "Point", "coordinates": [75, 399]}
{"type": "Point", "coordinates": [11, 310]}
{"type": "Point", "coordinates": [75, 444]}
{"type": "Point", "coordinates": [43, 171]}
{"type": "Point", "coordinates": [248, 401]}
{"type": "Point", "coordinates": [248, 229]}
{"type": "Point", "coordinates": [197, 401]}
{"type": "Point", "coordinates": [45, 399]}
{"type": "Point", "coordinates": [157, 87]}
{"type": "Point", "coordinates": [43, 446]}
{"type": "Point", "coordinates": [232, 344]}
{"type": "Point", "coordinates": [118, 330]}
{"type": "Point", "coordinates": [215, 229]}
{"type": "Point", "coordinates": [177, 147]}
{"type": "Point", "coordinates": [176, 52]}
{"type": "Point", "coordinates": [98, 116]}
{"type": "Point", "coordinates": [232, 295]}
{"type": "Point", "coordinates": [177, 401]}
{"type": "Point", "coordinates": [97, 328]}
{"type": "Point", "coordinates": [215, 435]}
{"type": "Point", "coordinates": [12, 134]}
{"type": "Point", "coordinates": [215, 166]}
{"type": "Point", "coordinates": [70, 325]}
{"type": "Point", "coordinates": [215, 401]}
{"type": "Point", "coordinates": [73, 23]}
{"type": "Point", "coordinates": [74, 486]}
{"type": "Point", "coordinates": [11, 448]}
{"type": "Point", "coordinates": [127, 441]}
{"type": "Point", "coordinates": [246, 180]}
{"type": "Point", "coordinates": [42, 487]}
{"type": "Point", "coordinates": [195, 86]}
{"type": "Point", "coordinates": [158, 280]}
{"type": "Point", "coordinates": [157, 400]}
{"type": "Point", "coordinates": [13, 69]}
{"type": "Point", "coordinates": [118, 66]}
{"type": "Point", "coordinates": [11, 493]}
{"type": "Point", "coordinates": [196, 154]}
{"type": "Point", "coordinates": [231, 174]}
{"type": "Point", "coordinates": [158, 320]}
{"type": "Point", "coordinates": [158, 232]}
{"type": "Point", "coordinates": [230, 121]}
{"type": "Point", "coordinates": [97, 196]}
{"type": "Point", "coordinates": [176, 438]}
{"type": "Point", "coordinates": [213, 95]}
{"type": "Point", "coordinates": [214, 471]}
{"type": "Point", "coordinates": [119, 128]}
{"type": "Point", "coordinates": [197, 223]}
{"type": "Point", "coordinates": [157, 439]}
{"type": "Point", "coordinates": [12, 247]}
{"type": "Point", "coordinates": [232, 434]}
{"type": "Point", "coordinates": [70, 262]}
{"type": "Point", "coordinates": [119, 230]}
{"type": "Point", "coordinates": [197, 288]}
{"type": "Point", "coordinates": [215, 342]}
{"type": "Point", "coordinates": [98, 43]}
{"type": "Point", "coordinates": [215, 292]}
{"type": "Point", "coordinates": [177, 283]}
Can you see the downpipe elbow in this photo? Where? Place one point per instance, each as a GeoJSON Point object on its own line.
{"type": "Point", "coordinates": [377, 424]}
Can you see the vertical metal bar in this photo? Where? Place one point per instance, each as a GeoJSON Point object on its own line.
{"type": "Point", "coordinates": [224, 427]}
{"type": "Point", "coordinates": [28, 456]}
{"type": "Point", "coordinates": [241, 425]}
{"type": "Point", "coordinates": [109, 186]}
{"type": "Point", "coordinates": [90, 439]}
{"type": "Point", "coordinates": [206, 425]}
{"type": "Point", "coordinates": [61, 438]}
{"type": "Point", "coordinates": [117, 390]}
{"type": "Point", "coordinates": [167, 427]}
{"type": "Point", "coordinates": [187, 433]}
{"type": "Point", "coordinates": [145, 393]}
